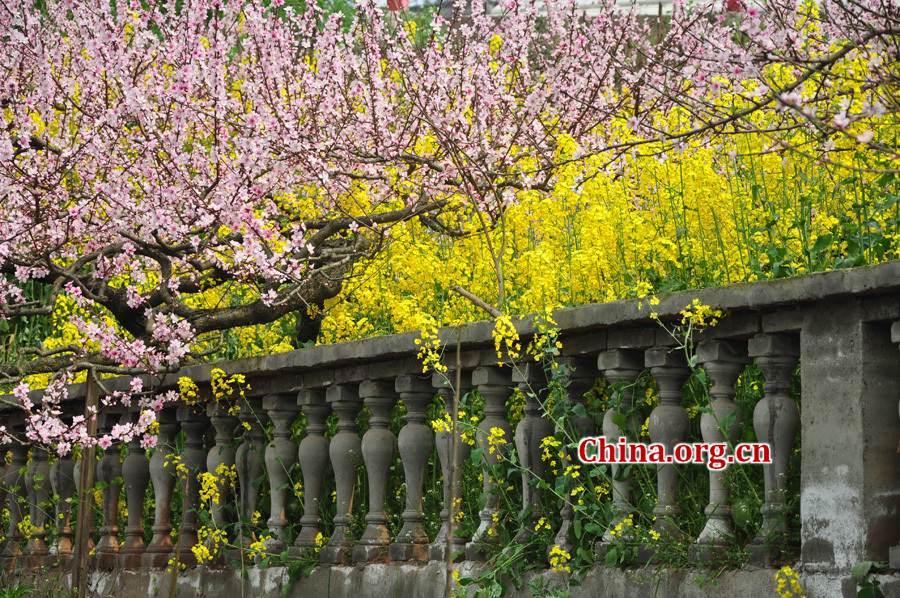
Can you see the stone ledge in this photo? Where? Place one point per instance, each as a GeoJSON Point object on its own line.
{"type": "Point", "coordinates": [762, 296]}
{"type": "Point", "coordinates": [426, 581]}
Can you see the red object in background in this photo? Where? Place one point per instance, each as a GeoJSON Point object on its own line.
{"type": "Point", "coordinates": [730, 5]}
{"type": "Point", "coordinates": [397, 4]}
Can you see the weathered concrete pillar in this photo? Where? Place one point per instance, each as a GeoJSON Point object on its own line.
{"type": "Point", "coordinates": [62, 481]}
{"type": "Point", "coordinates": [194, 423]}
{"type": "Point", "coordinates": [15, 487]}
{"type": "Point", "coordinates": [281, 455]}
{"type": "Point", "coordinates": [669, 425]}
{"type": "Point", "coordinates": [220, 458]}
{"type": "Point", "coordinates": [345, 452]}
{"type": "Point", "coordinates": [162, 474]}
{"type": "Point", "coordinates": [313, 457]}
{"type": "Point", "coordinates": [776, 420]}
{"type": "Point", "coordinates": [438, 550]}
{"type": "Point", "coordinates": [415, 443]}
{"type": "Point", "coordinates": [723, 362]}
{"type": "Point", "coordinates": [581, 373]}
{"type": "Point", "coordinates": [849, 503]}
{"type": "Point", "coordinates": [249, 460]}
{"type": "Point", "coordinates": [37, 483]}
{"type": "Point", "coordinates": [530, 431]}
{"type": "Point", "coordinates": [619, 366]}
{"type": "Point", "coordinates": [109, 472]}
{"type": "Point", "coordinates": [894, 552]}
{"type": "Point", "coordinates": [378, 445]}
{"type": "Point", "coordinates": [136, 474]}
{"type": "Point", "coordinates": [495, 386]}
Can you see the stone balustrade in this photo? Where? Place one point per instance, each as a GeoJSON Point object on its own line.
{"type": "Point", "coordinates": [294, 434]}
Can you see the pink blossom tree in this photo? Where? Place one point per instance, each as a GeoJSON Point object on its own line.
{"type": "Point", "coordinates": [151, 153]}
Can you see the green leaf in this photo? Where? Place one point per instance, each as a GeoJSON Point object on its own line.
{"type": "Point", "coordinates": [741, 513]}
{"type": "Point", "coordinates": [612, 556]}
{"type": "Point", "coordinates": [579, 410]}
{"type": "Point", "coordinates": [598, 471]}
{"type": "Point", "coordinates": [821, 243]}
{"type": "Point", "coordinates": [476, 455]}
{"type": "Point", "coordinates": [870, 589]}
{"type": "Point", "coordinates": [729, 421]}
{"type": "Point", "coordinates": [576, 527]}
{"type": "Point", "coordinates": [861, 570]}
{"type": "Point", "coordinates": [295, 570]}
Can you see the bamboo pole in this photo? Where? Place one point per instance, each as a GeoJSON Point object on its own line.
{"type": "Point", "coordinates": [85, 496]}
{"type": "Point", "coordinates": [454, 449]}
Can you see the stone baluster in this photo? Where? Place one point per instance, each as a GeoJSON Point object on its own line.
{"type": "Point", "coordinates": [345, 452]}
{"type": "Point", "coordinates": [415, 442]}
{"type": "Point", "coordinates": [723, 362]}
{"type": "Point", "coordinates": [250, 459]}
{"type": "Point", "coordinates": [620, 366]}
{"type": "Point", "coordinates": [136, 474]}
{"type": "Point", "coordinates": [581, 374]}
{"type": "Point", "coordinates": [194, 423]}
{"type": "Point", "coordinates": [495, 386]}
{"type": "Point", "coordinates": [776, 420]}
{"type": "Point", "coordinates": [37, 483]}
{"type": "Point", "coordinates": [669, 425]}
{"type": "Point", "coordinates": [221, 458]}
{"type": "Point", "coordinates": [438, 550]}
{"type": "Point", "coordinates": [530, 432]}
{"type": "Point", "coordinates": [378, 445]}
{"type": "Point", "coordinates": [281, 455]}
{"type": "Point", "coordinates": [313, 457]}
{"type": "Point", "coordinates": [162, 474]}
{"type": "Point", "coordinates": [15, 487]}
{"type": "Point", "coordinates": [62, 482]}
{"type": "Point", "coordinates": [109, 472]}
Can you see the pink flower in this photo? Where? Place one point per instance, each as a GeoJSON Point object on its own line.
{"type": "Point", "coordinates": [21, 394]}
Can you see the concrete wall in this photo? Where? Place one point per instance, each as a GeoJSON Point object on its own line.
{"type": "Point", "coordinates": [427, 581]}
